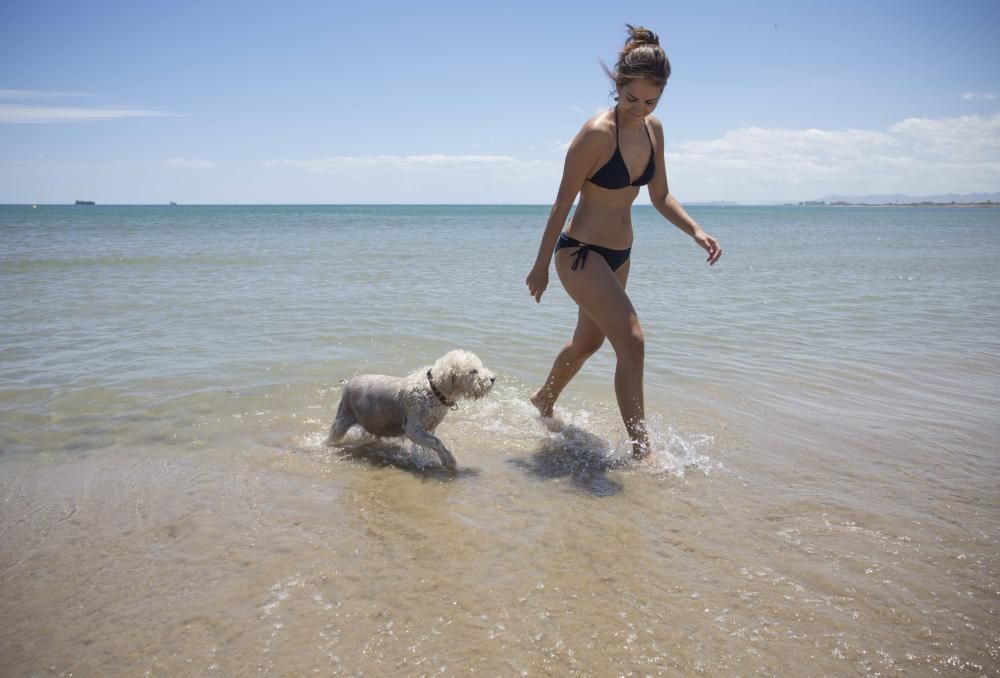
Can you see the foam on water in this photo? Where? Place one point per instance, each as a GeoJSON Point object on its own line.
{"type": "Point", "coordinates": [676, 453]}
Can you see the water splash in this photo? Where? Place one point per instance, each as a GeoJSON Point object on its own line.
{"type": "Point", "coordinates": [676, 453]}
{"type": "Point", "coordinates": [583, 433]}
{"type": "Point", "coordinates": [579, 435]}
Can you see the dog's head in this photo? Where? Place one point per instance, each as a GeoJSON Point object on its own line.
{"type": "Point", "coordinates": [462, 375]}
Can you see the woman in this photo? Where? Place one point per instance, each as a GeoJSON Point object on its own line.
{"type": "Point", "coordinates": [592, 256]}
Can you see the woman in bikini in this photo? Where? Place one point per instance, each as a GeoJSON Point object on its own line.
{"type": "Point", "coordinates": [592, 256]}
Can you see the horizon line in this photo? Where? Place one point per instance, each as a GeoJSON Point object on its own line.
{"type": "Point", "coordinates": [371, 204]}
{"type": "Point", "coordinates": [827, 200]}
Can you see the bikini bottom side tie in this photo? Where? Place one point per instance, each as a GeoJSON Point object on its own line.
{"type": "Point", "coordinates": [615, 258]}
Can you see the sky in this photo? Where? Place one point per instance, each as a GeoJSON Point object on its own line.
{"type": "Point", "coordinates": [330, 102]}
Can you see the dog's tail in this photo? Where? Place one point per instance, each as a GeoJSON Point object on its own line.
{"type": "Point", "coordinates": [341, 423]}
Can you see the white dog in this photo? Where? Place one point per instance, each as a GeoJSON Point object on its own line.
{"type": "Point", "coordinates": [413, 405]}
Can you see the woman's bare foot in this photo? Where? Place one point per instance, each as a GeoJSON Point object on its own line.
{"type": "Point", "coordinates": [650, 463]}
{"type": "Point", "coordinates": [541, 403]}
{"type": "Point", "coordinates": [640, 438]}
{"type": "Point", "coordinates": [545, 409]}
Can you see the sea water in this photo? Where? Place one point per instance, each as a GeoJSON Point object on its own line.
{"type": "Point", "coordinates": [823, 497]}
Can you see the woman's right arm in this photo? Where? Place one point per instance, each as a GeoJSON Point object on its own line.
{"type": "Point", "coordinates": [579, 159]}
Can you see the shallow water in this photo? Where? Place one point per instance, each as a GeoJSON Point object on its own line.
{"type": "Point", "coordinates": [824, 493]}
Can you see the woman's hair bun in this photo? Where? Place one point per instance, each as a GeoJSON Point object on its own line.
{"type": "Point", "coordinates": [640, 35]}
{"type": "Point", "coordinates": [641, 57]}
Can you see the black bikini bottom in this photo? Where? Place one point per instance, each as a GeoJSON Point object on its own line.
{"type": "Point", "coordinates": [615, 258]}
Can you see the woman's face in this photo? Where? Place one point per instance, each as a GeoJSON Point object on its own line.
{"type": "Point", "coordinates": [638, 98]}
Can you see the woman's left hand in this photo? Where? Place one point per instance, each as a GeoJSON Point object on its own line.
{"type": "Point", "coordinates": [710, 244]}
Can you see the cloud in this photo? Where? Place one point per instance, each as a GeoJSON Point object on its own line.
{"type": "Point", "coordinates": [979, 96]}
{"type": "Point", "coordinates": [916, 155]}
{"type": "Point", "coordinates": [756, 145]}
{"type": "Point", "coordinates": [430, 178]}
{"type": "Point", "coordinates": [33, 114]}
{"type": "Point", "coordinates": [38, 94]}
{"type": "Point", "coordinates": [189, 163]}
{"type": "Point", "coordinates": [401, 162]}
{"type": "Point", "coordinates": [970, 138]}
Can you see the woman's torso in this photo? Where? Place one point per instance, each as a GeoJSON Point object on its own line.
{"type": "Point", "coordinates": [603, 216]}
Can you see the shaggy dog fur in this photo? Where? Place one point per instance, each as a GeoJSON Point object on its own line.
{"type": "Point", "coordinates": [408, 406]}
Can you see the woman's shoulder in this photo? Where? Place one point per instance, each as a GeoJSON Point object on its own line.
{"type": "Point", "coordinates": [595, 131]}
{"type": "Point", "coordinates": [601, 123]}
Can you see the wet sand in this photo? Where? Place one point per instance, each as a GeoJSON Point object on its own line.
{"type": "Point", "coordinates": [547, 558]}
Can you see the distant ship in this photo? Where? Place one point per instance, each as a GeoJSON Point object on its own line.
{"type": "Point", "coordinates": [173, 204]}
{"type": "Point", "coordinates": [85, 202]}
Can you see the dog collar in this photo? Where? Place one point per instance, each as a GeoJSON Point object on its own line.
{"type": "Point", "coordinates": [440, 396]}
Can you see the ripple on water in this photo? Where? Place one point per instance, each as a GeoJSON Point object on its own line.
{"type": "Point", "coordinates": [162, 419]}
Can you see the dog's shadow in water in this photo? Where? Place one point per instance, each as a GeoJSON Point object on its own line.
{"type": "Point", "coordinates": [578, 455]}
{"type": "Point", "coordinates": [382, 453]}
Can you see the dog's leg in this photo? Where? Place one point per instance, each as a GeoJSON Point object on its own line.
{"type": "Point", "coordinates": [343, 421]}
{"type": "Point", "coordinates": [431, 441]}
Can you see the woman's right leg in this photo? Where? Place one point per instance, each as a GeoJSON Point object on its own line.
{"type": "Point", "coordinates": [587, 338]}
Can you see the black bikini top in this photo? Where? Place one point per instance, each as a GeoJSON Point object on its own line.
{"type": "Point", "coordinates": [614, 174]}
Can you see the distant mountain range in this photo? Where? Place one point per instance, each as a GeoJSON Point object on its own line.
{"type": "Point", "coordinates": [905, 199]}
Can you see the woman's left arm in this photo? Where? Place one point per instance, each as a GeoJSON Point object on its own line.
{"type": "Point", "coordinates": [667, 205]}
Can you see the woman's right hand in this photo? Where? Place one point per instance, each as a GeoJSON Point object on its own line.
{"type": "Point", "coordinates": [537, 281]}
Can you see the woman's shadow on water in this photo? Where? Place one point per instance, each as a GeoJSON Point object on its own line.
{"type": "Point", "coordinates": [381, 453]}
{"type": "Point", "coordinates": [579, 455]}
